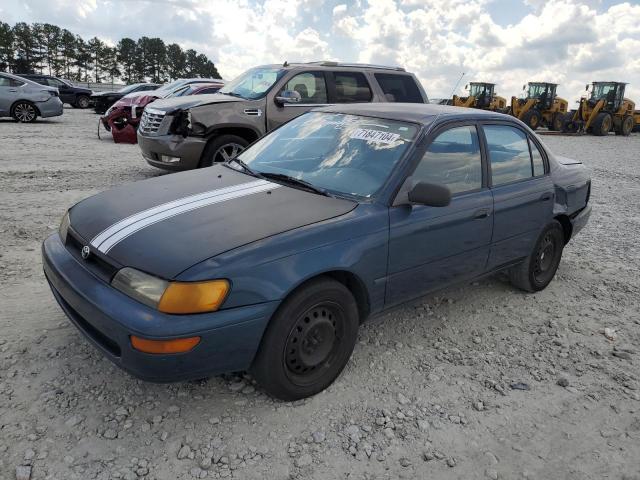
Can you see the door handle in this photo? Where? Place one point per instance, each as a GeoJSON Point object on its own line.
{"type": "Point", "coordinates": [482, 213]}
{"type": "Point", "coordinates": [13, 90]}
{"type": "Point", "coordinates": [545, 196]}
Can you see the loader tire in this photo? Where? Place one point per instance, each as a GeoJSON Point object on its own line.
{"type": "Point", "coordinates": [602, 124]}
{"type": "Point", "coordinates": [568, 125]}
{"type": "Point", "coordinates": [532, 118]}
{"type": "Point", "coordinates": [626, 126]}
{"type": "Point", "coordinates": [557, 121]}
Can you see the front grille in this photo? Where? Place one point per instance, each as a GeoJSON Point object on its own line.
{"type": "Point", "coordinates": [150, 121]}
{"type": "Point", "coordinates": [95, 263]}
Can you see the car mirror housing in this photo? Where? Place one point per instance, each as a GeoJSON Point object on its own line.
{"type": "Point", "coordinates": [430, 194]}
{"type": "Point", "coordinates": [288, 96]}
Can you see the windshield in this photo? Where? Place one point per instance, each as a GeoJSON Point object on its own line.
{"type": "Point", "coordinates": [129, 88]}
{"type": "Point", "coordinates": [254, 83]}
{"type": "Point", "coordinates": [601, 90]}
{"type": "Point", "coordinates": [536, 90]}
{"type": "Point", "coordinates": [342, 154]}
{"type": "Point", "coordinates": [477, 90]}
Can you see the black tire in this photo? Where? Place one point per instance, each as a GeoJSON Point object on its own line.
{"type": "Point", "coordinates": [539, 268]}
{"type": "Point", "coordinates": [308, 342]}
{"type": "Point", "coordinates": [557, 121]}
{"type": "Point", "coordinates": [626, 126]}
{"type": "Point", "coordinates": [24, 112]}
{"type": "Point", "coordinates": [532, 118]}
{"type": "Point", "coordinates": [601, 126]}
{"type": "Point", "coordinates": [568, 125]}
{"type": "Point", "coordinates": [224, 143]}
{"type": "Point", "coordinates": [82, 101]}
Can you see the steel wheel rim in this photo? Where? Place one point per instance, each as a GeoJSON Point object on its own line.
{"type": "Point", "coordinates": [25, 112]}
{"type": "Point", "coordinates": [313, 343]}
{"type": "Point", "coordinates": [227, 152]}
{"type": "Point", "coordinates": [606, 124]}
{"type": "Point", "coordinates": [83, 102]}
{"type": "Point", "coordinates": [545, 257]}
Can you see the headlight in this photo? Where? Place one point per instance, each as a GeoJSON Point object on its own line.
{"type": "Point", "coordinates": [64, 227]}
{"type": "Point", "coordinates": [171, 297]}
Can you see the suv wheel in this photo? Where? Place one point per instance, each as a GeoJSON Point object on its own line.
{"type": "Point", "coordinates": [82, 102]}
{"type": "Point", "coordinates": [24, 112]}
{"type": "Point", "coordinates": [222, 149]}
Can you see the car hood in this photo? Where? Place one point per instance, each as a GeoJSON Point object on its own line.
{"type": "Point", "coordinates": [140, 99]}
{"type": "Point", "coordinates": [183, 103]}
{"type": "Point", "coordinates": [170, 223]}
{"type": "Point", "coordinates": [104, 94]}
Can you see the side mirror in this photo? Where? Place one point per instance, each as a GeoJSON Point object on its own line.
{"type": "Point", "coordinates": [466, 87]}
{"type": "Point", "coordinates": [586, 87]}
{"type": "Point", "coordinates": [288, 96]}
{"type": "Point", "coordinates": [524, 87]}
{"type": "Point", "coordinates": [430, 194]}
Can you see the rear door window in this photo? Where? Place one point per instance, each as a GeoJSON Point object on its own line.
{"type": "Point", "coordinates": [310, 85]}
{"type": "Point", "coordinates": [399, 88]}
{"type": "Point", "coordinates": [508, 153]}
{"type": "Point", "coordinates": [453, 159]}
{"type": "Point", "coordinates": [352, 87]}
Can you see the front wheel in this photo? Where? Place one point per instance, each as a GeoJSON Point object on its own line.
{"type": "Point", "coordinates": [308, 341]}
{"type": "Point", "coordinates": [24, 112]}
{"type": "Point", "coordinates": [602, 124]}
{"type": "Point", "coordinates": [222, 149]}
{"type": "Point", "coordinates": [626, 126]}
{"type": "Point", "coordinates": [532, 118]}
{"type": "Point", "coordinates": [539, 268]}
{"type": "Point", "coordinates": [557, 121]}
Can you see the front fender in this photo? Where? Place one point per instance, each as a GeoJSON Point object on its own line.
{"type": "Point", "coordinates": [271, 268]}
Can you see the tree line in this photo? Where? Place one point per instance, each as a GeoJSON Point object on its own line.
{"type": "Point", "coordinates": [49, 49]}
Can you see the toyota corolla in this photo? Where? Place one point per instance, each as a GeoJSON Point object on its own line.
{"type": "Point", "coordinates": [270, 262]}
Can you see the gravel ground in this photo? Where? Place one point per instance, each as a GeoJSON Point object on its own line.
{"type": "Point", "coordinates": [480, 381]}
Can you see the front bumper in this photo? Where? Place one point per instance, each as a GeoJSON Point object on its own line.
{"type": "Point", "coordinates": [52, 107]}
{"type": "Point", "coordinates": [187, 150]}
{"type": "Point", "coordinates": [107, 317]}
{"type": "Point", "coordinates": [579, 221]}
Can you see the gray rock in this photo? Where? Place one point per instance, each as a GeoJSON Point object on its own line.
{"type": "Point", "coordinates": [405, 462]}
{"type": "Point", "coordinates": [304, 460]}
{"type": "Point", "coordinates": [23, 472]}
{"type": "Point", "coordinates": [402, 400]}
{"type": "Point", "coordinates": [563, 382]}
{"type": "Point", "coordinates": [318, 437]}
{"type": "Point", "coordinates": [184, 452]}
{"type": "Point", "coordinates": [110, 434]}
{"type": "Point", "coordinates": [423, 425]}
{"type": "Point", "coordinates": [451, 462]}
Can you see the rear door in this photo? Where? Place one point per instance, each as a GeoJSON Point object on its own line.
{"type": "Point", "coordinates": [431, 247]}
{"type": "Point", "coordinates": [349, 87]}
{"type": "Point", "coordinates": [523, 192]}
{"type": "Point", "coordinates": [67, 94]}
{"type": "Point", "coordinates": [8, 94]}
{"type": "Point", "coordinates": [312, 87]}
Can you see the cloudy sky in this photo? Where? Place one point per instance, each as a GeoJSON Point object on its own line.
{"type": "Point", "coordinates": [508, 42]}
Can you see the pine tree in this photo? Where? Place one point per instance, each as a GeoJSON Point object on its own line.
{"type": "Point", "coordinates": [6, 46]}
{"type": "Point", "coordinates": [126, 56]}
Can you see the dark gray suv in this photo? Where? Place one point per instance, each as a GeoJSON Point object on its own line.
{"type": "Point", "coordinates": [190, 132]}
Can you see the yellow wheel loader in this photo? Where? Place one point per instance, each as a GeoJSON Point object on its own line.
{"type": "Point", "coordinates": [605, 109]}
{"type": "Point", "coordinates": [541, 107]}
{"type": "Point", "coordinates": [481, 95]}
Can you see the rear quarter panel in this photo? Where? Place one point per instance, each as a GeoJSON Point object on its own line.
{"type": "Point", "coordinates": [572, 184]}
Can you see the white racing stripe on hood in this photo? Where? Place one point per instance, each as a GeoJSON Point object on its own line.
{"type": "Point", "coordinates": [117, 232]}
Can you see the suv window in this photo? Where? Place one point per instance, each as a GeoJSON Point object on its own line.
{"type": "Point", "coordinates": [310, 85]}
{"type": "Point", "coordinates": [54, 82]}
{"type": "Point", "coordinates": [508, 153]}
{"type": "Point", "coordinates": [351, 87]}
{"type": "Point", "coordinates": [453, 159]}
{"type": "Point", "coordinates": [399, 88]}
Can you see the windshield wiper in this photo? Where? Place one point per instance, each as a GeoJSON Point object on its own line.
{"type": "Point", "coordinates": [244, 166]}
{"type": "Point", "coordinates": [232, 94]}
{"type": "Point", "coordinates": [296, 182]}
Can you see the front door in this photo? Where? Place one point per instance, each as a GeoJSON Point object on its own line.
{"type": "Point", "coordinates": [431, 247]}
{"type": "Point", "coordinates": [66, 93]}
{"type": "Point", "coordinates": [312, 87]}
{"type": "Point", "coordinates": [523, 192]}
{"type": "Point", "coordinates": [8, 94]}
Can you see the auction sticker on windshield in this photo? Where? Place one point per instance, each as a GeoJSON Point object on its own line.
{"type": "Point", "coordinates": [374, 135]}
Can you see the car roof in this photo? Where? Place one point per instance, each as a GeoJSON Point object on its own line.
{"type": "Point", "coordinates": [324, 65]}
{"type": "Point", "coordinates": [423, 113]}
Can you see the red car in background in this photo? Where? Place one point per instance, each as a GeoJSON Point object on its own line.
{"type": "Point", "coordinates": [123, 117]}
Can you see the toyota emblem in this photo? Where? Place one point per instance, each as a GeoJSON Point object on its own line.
{"type": "Point", "coordinates": [85, 252]}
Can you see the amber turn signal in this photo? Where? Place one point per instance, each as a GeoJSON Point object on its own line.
{"type": "Point", "coordinates": [178, 345]}
{"type": "Point", "coordinates": [193, 297]}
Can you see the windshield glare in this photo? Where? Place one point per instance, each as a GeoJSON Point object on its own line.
{"type": "Point", "coordinates": [254, 83]}
{"type": "Point", "coordinates": [343, 154]}
{"type": "Point", "coordinates": [535, 91]}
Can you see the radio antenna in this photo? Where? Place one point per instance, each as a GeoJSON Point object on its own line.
{"type": "Point", "coordinates": [450, 96]}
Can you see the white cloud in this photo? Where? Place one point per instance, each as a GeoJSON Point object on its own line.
{"type": "Point", "coordinates": [570, 42]}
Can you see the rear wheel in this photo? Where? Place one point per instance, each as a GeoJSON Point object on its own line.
{"type": "Point", "coordinates": [24, 112]}
{"type": "Point", "coordinates": [532, 118]}
{"type": "Point", "coordinates": [568, 124]}
{"type": "Point", "coordinates": [82, 102]}
{"type": "Point", "coordinates": [557, 121]}
{"type": "Point", "coordinates": [626, 126]}
{"type": "Point", "coordinates": [539, 268]}
{"type": "Point", "coordinates": [308, 341]}
{"type": "Point", "coordinates": [602, 124]}
{"type": "Point", "coordinates": [222, 149]}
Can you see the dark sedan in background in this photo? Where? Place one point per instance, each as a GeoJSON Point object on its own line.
{"type": "Point", "coordinates": [271, 261]}
{"type": "Point", "coordinates": [103, 100]}
{"type": "Point", "coordinates": [77, 97]}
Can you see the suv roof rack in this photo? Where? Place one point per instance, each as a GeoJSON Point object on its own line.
{"type": "Point", "coordinates": [326, 63]}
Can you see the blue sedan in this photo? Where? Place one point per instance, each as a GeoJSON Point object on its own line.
{"type": "Point", "coordinates": [270, 262]}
